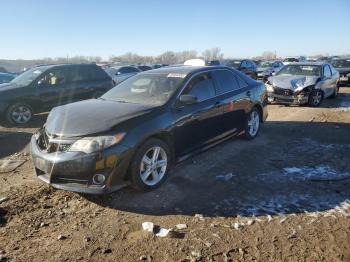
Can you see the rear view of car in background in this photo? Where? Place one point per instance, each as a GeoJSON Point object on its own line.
{"type": "Point", "coordinates": [267, 68]}
{"type": "Point", "coordinates": [303, 83]}
{"type": "Point", "coordinates": [293, 59]}
{"type": "Point", "coordinates": [246, 66]}
{"type": "Point", "coordinates": [343, 67]}
{"type": "Point", "coordinates": [121, 73]}
{"type": "Point", "coordinates": [44, 87]}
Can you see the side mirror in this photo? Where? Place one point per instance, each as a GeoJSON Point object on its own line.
{"type": "Point", "coordinates": [187, 99]}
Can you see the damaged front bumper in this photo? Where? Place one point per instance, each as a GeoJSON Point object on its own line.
{"type": "Point", "coordinates": [297, 99]}
{"type": "Point", "coordinates": [75, 171]}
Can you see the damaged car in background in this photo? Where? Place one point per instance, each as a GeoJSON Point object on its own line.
{"type": "Point", "coordinates": [303, 83]}
{"type": "Point", "coordinates": [136, 131]}
{"type": "Point", "coordinates": [268, 68]}
{"type": "Point", "coordinates": [343, 67]}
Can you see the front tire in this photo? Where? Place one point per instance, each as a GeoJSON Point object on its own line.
{"type": "Point", "coordinates": [335, 93]}
{"type": "Point", "coordinates": [252, 124]}
{"type": "Point", "coordinates": [19, 114]}
{"type": "Point", "coordinates": [150, 165]}
{"type": "Point", "coordinates": [315, 98]}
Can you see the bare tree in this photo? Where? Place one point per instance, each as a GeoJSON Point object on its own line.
{"type": "Point", "coordinates": [268, 55]}
{"type": "Point", "coordinates": [213, 54]}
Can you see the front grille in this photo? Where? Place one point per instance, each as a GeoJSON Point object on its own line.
{"type": "Point", "coordinates": [50, 147]}
{"type": "Point", "coordinates": [283, 92]}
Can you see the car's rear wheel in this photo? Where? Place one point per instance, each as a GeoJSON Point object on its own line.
{"type": "Point", "coordinates": [19, 114]}
{"type": "Point", "coordinates": [150, 165]}
{"type": "Point", "coordinates": [252, 124]}
{"type": "Point", "coordinates": [315, 98]}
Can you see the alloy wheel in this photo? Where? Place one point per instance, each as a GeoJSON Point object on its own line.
{"type": "Point", "coordinates": [21, 114]}
{"type": "Point", "coordinates": [253, 123]}
{"type": "Point", "coordinates": [317, 98]}
{"type": "Point", "coordinates": [153, 166]}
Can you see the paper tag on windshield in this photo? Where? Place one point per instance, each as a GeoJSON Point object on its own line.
{"type": "Point", "coordinates": [176, 75]}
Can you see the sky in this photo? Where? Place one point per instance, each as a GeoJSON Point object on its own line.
{"type": "Point", "coordinates": [33, 29]}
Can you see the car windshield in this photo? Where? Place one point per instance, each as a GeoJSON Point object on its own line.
{"type": "Point", "coordinates": [146, 88]}
{"type": "Point", "coordinates": [303, 70]}
{"type": "Point", "coordinates": [27, 77]}
{"type": "Point", "coordinates": [341, 63]}
{"type": "Point", "coordinates": [265, 64]}
{"type": "Point", "coordinates": [111, 71]}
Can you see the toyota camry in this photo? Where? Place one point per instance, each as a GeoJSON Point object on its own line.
{"type": "Point", "coordinates": [135, 132]}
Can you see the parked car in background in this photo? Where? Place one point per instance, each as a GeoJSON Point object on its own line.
{"type": "Point", "coordinates": [246, 66]}
{"type": "Point", "coordinates": [6, 77]}
{"type": "Point", "coordinates": [303, 83]}
{"type": "Point", "coordinates": [137, 130]}
{"type": "Point", "coordinates": [343, 67]}
{"type": "Point", "coordinates": [293, 59]}
{"type": "Point", "coordinates": [144, 67]}
{"type": "Point", "coordinates": [267, 68]}
{"type": "Point", "coordinates": [121, 73]}
{"type": "Point", "coordinates": [213, 63]}
{"type": "Point", "coordinates": [41, 88]}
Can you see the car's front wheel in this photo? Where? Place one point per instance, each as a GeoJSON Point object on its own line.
{"type": "Point", "coordinates": [252, 124]}
{"type": "Point", "coordinates": [315, 98]}
{"type": "Point", "coordinates": [150, 165]}
{"type": "Point", "coordinates": [336, 91]}
{"type": "Point", "coordinates": [19, 114]}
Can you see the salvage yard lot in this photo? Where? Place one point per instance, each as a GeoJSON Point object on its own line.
{"type": "Point", "coordinates": [279, 204]}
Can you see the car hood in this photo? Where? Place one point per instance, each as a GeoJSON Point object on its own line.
{"type": "Point", "coordinates": [91, 117]}
{"type": "Point", "coordinates": [8, 86]}
{"type": "Point", "coordinates": [293, 82]}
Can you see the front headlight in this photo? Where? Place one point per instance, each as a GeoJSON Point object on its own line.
{"type": "Point", "coordinates": [269, 87]}
{"type": "Point", "coordinates": [93, 144]}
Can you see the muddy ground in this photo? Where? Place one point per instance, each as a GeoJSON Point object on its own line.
{"type": "Point", "coordinates": [288, 200]}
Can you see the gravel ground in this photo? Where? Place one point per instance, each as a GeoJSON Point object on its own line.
{"type": "Point", "coordinates": [288, 199]}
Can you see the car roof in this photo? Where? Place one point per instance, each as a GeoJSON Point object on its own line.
{"type": "Point", "coordinates": [59, 65]}
{"type": "Point", "coordinates": [181, 69]}
{"type": "Point", "coordinates": [310, 63]}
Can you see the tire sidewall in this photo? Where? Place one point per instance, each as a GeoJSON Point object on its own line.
{"type": "Point", "coordinates": [10, 110]}
{"type": "Point", "coordinates": [135, 178]}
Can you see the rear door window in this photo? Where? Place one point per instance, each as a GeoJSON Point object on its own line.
{"type": "Point", "coordinates": [201, 86]}
{"type": "Point", "coordinates": [226, 81]}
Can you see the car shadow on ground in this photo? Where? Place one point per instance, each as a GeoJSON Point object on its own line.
{"type": "Point", "coordinates": [13, 142]}
{"type": "Point", "coordinates": [292, 167]}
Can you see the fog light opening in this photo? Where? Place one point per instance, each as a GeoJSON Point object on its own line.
{"type": "Point", "coordinates": [98, 179]}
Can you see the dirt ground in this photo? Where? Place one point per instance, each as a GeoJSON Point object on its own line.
{"type": "Point", "coordinates": [288, 200]}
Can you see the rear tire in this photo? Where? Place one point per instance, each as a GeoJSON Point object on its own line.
{"type": "Point", "coordinates": [150, 165]}
{"type": "Point", "coordinates": [19, 114]}
{"type": "Point", "coordinates": [252, 124]}
{"type": "Point", "coordinates": [315, 98]}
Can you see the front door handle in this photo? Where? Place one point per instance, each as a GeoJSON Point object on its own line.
{"type": "Point", "coordinates": [249, 93]}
